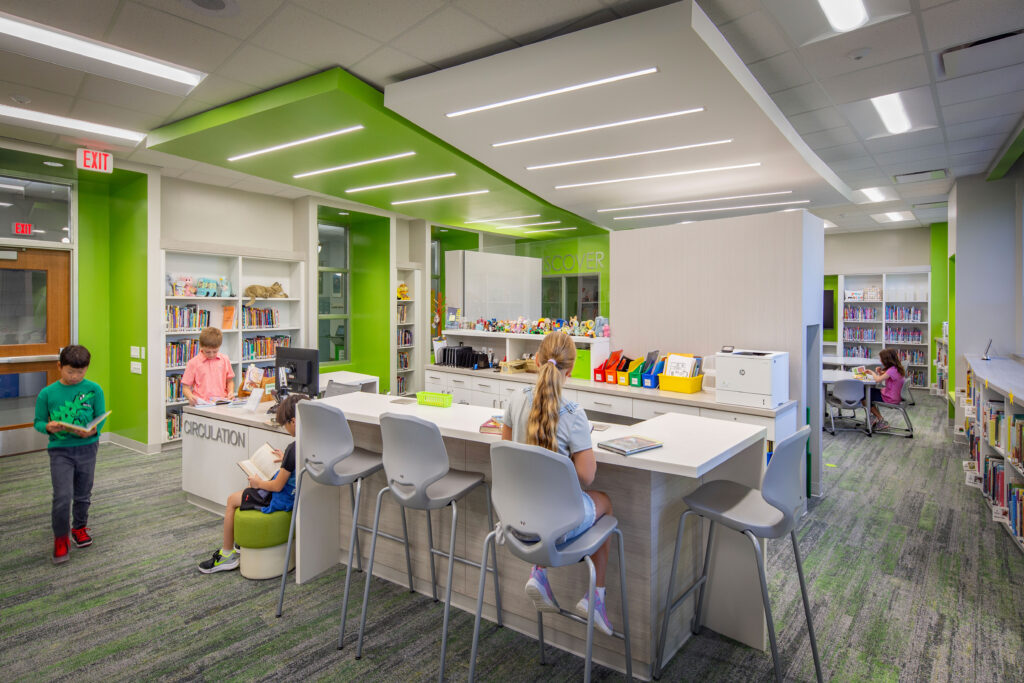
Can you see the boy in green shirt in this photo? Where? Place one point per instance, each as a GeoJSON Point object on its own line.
{"type": "Point", "coordinates": [77, 401]}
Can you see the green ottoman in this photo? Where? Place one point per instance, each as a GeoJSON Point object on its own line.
{"type": "Point", "coordinates": [263, 539]}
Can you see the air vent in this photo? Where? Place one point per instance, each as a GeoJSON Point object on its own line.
{"type": "Point", "coordinates": [931, 205]}
{"type": "Point", "coordinates": [984, 55]}
{"type": "Point", "coordinates": [920, 176]}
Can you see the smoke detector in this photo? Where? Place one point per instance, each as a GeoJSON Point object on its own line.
{"type": "Point", "coordinates": [222, 8]}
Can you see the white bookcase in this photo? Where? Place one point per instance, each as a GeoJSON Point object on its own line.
{"type": "Point", "coordinates": [410, 336]}
{"type": "Point", "coordinates": [244, 330]}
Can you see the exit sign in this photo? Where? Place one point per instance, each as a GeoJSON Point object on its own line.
{"type": "Point", "coordinates": [92, 160]}
{"type": "Point", "coordinates": [22, 228]}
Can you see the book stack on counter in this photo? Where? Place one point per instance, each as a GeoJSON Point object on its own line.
{"type": "Point", "coordinates": [188, 317]}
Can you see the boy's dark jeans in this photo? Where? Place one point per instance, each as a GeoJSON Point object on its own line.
{"type": "Point", "coordinates": [71, 471]}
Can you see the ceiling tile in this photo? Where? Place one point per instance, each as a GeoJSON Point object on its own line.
{"type": "Point", "coordinates": [903, 74]}
{"type": "Point", "coordinates": [931, 215]}
{"type": "Point", "coordinates": [843, 135]}
{"type": "Point", "coordinates": [865, 177]}
{"type": "Point", "coordinates": [129, 96]}
{"type": "Point", "coordinates": [912, 154]}
{"type": "Point", "coordinates": [885, 42]}
{"type": "Point", "coordinates": [306, 37]}
{"type": "Point", "coordinates": [927, 188]}
{"type": "Point", "coordinates": [41, 100]}
{"type": "Point", "coordinates": [451, 37]}
{"type": "Point", "coordinates": [813, 121]}
{"type": "Point", "coordinates": [39, 74]}
{"type": "Point", "coordinates": [527, 20]}
{"type": "Point", "coordinates": [83, 18]}
{"type": "Point", "coordinates": [626, 8]}
{"type": "Point", "coordinates": [755, 36]}
{"type": "Point", "coordinates": [839, 153]}
{"type": "Point", "coordinates": [594, 19]}
{"type": "Point", "coordinates": [976, 86]}
{"type": "Point", "coordinates": [983, 157]}
{"type": "Point", "coordinates": [917, 166]}
{"type": "Point", "coordinates": [108, 114]}
{"type": "Point", "coordinates": [985, 142]}
{"type": "Point", "coordinates": [852, 164]}
{"type": "Point", "coordinates": [964, 170]}
{"type": "Point", "coordinates": [801, 98]}
{"type": "Point", "coordinates": [984, 108]}
{"type": "Point", "coordinates": [956, 23]}
{"type": "Point", "coordinates": [292, 193]}
{"type": "Point", "coordinates": [241, 24]}
{"type": "Point", "coordinates": [780, 72]}
{"type": "Point", "coordinates": [217, 90]}
{"type": "Point", "coordinates": [386, 65]}
{"type": "Point", "coordinates": [999, 124]}
{"type": "Point", "coordinates": [928, 4]}
{"type": "Point", "coordinates": [188, 108]}
{"type": "Point", "coordinates": [724, 11]}
{"type": "Point", "coordinates": [167, 37]}
{"type": "Point", "coordinates": [916, 138]}
{"type": "Point", "coordinates": [261, 68]}
{"type": "Point", "coordinates": [256, 185]}
{"type": "Point", "coordinates": [382, 20]}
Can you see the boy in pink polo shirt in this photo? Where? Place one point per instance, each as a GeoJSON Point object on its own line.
{"type": "Point", "coordinates": [209, 374]}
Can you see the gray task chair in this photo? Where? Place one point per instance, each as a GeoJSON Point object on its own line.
{"type": "Point", "coordinates": [419, 478]}
{"type": "Point", "coordinates": [330, 457]}
{"type": "Point", "coordinates": [770, 512]}
{"type": "Point", "coordinates": [847, 394]}
{"type": "Point", "coordinates": [339, 389]}
{"type": "Point", "coordinates": [906, 399]}
{"type": "Point", "coordinates": [538, 498]}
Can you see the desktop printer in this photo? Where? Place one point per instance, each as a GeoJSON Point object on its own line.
{"type": "Point", "coordinates": [759, 379]}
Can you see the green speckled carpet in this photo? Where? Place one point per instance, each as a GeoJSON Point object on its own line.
{"type": "Point", "coordinates": [908, 582]}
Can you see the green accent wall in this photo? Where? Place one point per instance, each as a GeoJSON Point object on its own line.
{"type": "Point", "coordinates": [940, 288]}
{"type": "Point", "coordinates": [574, 256]}
{"type": "Point", "coordinates": [832, 282]}
{"type": "Point", "coordinates": [951, 304]}
{"type": "Point", "coordinates": [370, 299]}
{"type": "Point", "coordinates": [93, 279]}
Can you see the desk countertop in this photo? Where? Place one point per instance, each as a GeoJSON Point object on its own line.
{"type": "Point", "coordinates": [701, 399]}
{"type": "Point", "coordinates": [693, 445]}
{"type": "Point", "coordinates": [239, 415]}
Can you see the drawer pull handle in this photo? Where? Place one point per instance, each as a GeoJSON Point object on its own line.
{"type": "Point", "coordinates": [659, 412]}
{"type": "Point", "coordinates": [458, 381]}
{"type": "Point", "coordinates": [481, 384]}
{"type": "Point", "coordinates": [600, 403]}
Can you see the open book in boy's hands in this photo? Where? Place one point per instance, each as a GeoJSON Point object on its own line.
{"type": "Point", "coordinates": [85, 428]}
{"type": "Point", "coordinates": [263, 463]}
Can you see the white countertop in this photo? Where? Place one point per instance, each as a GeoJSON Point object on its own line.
{"type": "Point", "coordinates": [844, 360]}
{"type": "Point", "coordinates": [693, 445]}
{"type": "Point", "coordinates": [1005, 375]}
{"type": "Point", "coordinates": [239, 415]}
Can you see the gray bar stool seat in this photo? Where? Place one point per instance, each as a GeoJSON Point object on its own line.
{"type": "Point", "coordinates": [419, 478]}
{"type": "Point", "coordinates": [768, 512]}
{"type": "Point", "coordinates": [848, 394]}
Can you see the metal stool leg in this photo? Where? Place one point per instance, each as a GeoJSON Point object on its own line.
{"type": "Point", "coordinates": [430, 553]}
{"type": "Point", "coordinates": [352, 541]}
{"type": "Point", "coordinates": [625, 605]}
{"type": "Point", "coordinates": [355, 514]}
{"type": "Point", "coordinates": [494, 557]}
{"type": "Point", "coordinates": [807, 605]}
{"type": "Point", "coordinates": [767, 604]}
{"type": "Point", "coordinates": [448, 589]}
{"type": "Point", "coordinates": [291, 539]}
{"type": "Point", "coordinates": [660, 650]}
{"type": "Point", "coordinates": [480, 605]}
{"type": "Point", "coordinates": [590, 619]}
{"type": "Point", "coordinates": [695, 629]}
{"type": "Point", "coordinates": [408, 559]}
{"type": "Point", "coordinates": [540, 635]}
{"type": "Point", "coordinates": [369, 571]}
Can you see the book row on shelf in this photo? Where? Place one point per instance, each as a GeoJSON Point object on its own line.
{"type": "Point", "coordinates": [174, 424]}
{"type": "Point", "coordinates": [867, 295]}
{"type": "Point", "coordinates": [856, 352]}
{"type": "Point", "coordinates": [859, 313]}
{"type": "Point", "coordinates": [942, 354]}
{"type": "Point", "coordinates": [263, 347]}
{"type": "Point", "coordinates": [918, 377]}
{"type": "Point", "coordinates": [400, 384]}
{"type": "Point", "coordinates": [904, 335]}
{"type": "Point", "coordinates": [403, 314]}
{"type": "Point", "coordinates": [403, 337]}
{"type": "Point", "coordinates": [860, 334]}
{"type": "Point", "coordinates": [403, 360]}
{"type": "Point", "coordinates": [180, 352]}
{"type": "Point", "coordinates": [260, 317]}
{"type": "Point", "coordinates": [188, 317]}
{"type": "Point", "coordinates": [903, 314]}
{"type": "Point", "coordinates": [912, 356]}
{"type": "Point", "coordinates": [172, 389]}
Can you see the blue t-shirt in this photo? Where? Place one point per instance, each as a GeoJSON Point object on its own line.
{"type": "Point", "coordinates": [572, 434]}
{"type": "Point", "coordinates": [285, 498]}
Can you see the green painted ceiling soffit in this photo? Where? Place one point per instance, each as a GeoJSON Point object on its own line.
{"type": "Point", "coordinates": [1013, 152]}
{"type": "Point", "coordinates": [345, 219]}
{"type": "Point", "coordinates": [332, 100]}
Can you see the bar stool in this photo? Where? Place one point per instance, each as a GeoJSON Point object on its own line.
{"type": "Point", "coordinates": [330, 457]}
{"type": "Point", "coordinates": [419, 478]}
{"type": "Point", "coordinates": [538, 493]}
{"type": "Point", "coordinates": [770, 512]}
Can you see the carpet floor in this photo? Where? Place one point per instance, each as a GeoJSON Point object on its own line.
{"type": "Point", "coordinates": [908, 578]}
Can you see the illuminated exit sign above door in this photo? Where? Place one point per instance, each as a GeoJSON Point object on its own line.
{"type": "Point", "coordinates": [92, 160]}
{"type": "Point", "coordinates": [22, 228]}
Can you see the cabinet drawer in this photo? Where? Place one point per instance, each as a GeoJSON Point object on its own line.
{"type": "Point", "coordinates": [489, 386]}
{"type": "Point", "coordinates": [458, 382]}
{"type": "Point", "coordinates": [615, 405]}
{"type": "Point", "coordinates": [766, 422]}
{"type": "Point", "coordinates": [645, 410]}
{"type": "Point", "coordinates": [434, 376]}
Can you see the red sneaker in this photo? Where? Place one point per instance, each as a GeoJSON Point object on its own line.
{"type": "Point", "coordinates": [81, 537]}
{"type": "Point", "coordinates": [60, 549]}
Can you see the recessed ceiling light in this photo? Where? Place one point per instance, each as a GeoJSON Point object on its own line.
{"type": "Point", "coordinates": [530, 232]}
{"type": "Point", "coordinates": [893, 217]}
{"type": "Point", "coordinates": [55, 164]}
{"type": "Point", "coordinates": [526, 225]}
{"type": "Point", "coordinates": [557, 91]}
{"type": "Point", "coordinates": [65, 240]}
{"type": "Point", "coordinates": [293, 143]}
{"type": "Point", "coordinates": [874, 194]}
{"type": "Point", "coordinates": [844, 15]}
{"type": "Point", "coordinates": [77, 52]}
{"type": "Point", "coordinates": [440, 196]}
{"type": "Point", "coordinates": [63, 124]}
{"type": "Point", "coordinates": [506, 218]}
{"type": "Point", "coordinates": [6, 204]}
{"type": "Point", "coordinates": [601, 126]}
{"type": "Point", "coordinates": [657, 175]}
{"type": "Point", "coordinates": [355, 164]}
{"type": "Point", "coordinates": [408, 181]}
{"type": "Point", "coordinates": [66, 229]}
{"type": "Point", "coordinates": [719, 208]}
{"type": "Point", "coordinates": [696, 201]}
{"type": "Point", "coordinates": [343, 213]}
{"type": "Point", "coordinates": [892, 112]}
{"type": "Point", "coordinates": [626, 156]}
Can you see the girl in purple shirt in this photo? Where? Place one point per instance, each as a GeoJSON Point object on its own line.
{"type": "Point", "coordinates": [894, 376]}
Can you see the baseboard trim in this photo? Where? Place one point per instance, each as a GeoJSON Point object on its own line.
{"type": "Point", "coordinates": [130, 444]}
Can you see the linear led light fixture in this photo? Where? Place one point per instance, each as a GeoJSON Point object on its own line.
{"type": "Point", "coordinates": [293, 143]}
{"type": "Point", "coordinates": [844, 15]}
{"type": "Point", "coordinates": [874, 194]}
{"type": "Point", "coordinates": [626, 156]}
{"type": "Point", "coordinates": [506, 218]}
{"type": "Point", "coordinates": [440, 196]}
{"type": "Point", "coordinates": [696, 201]}
{"type": "Point", "coordinates": [343, 213]}
{"type": "Point", "coordinates": [830, 224]}
{"type": "Point", "coordinates": [892, 112]}
{"type": "Point", "coordinates": [530, 232]}
{"type": "Point", "coordinates": [657, 175]}
{"type": "Point", "coordinates": [63, 124]}
{"type": "Point", "coordinates": [526, 225]}
{"type": "Point", "coordinates": [893, 217]}
{"type": "Point", "coordinates": [720, 208]}
{"type": "Point", "coordinates": [12, 188]}
{"type": "Point", "coordinates": [408, 181]}
{"type": "Point", "coordinates": [602, 126]}
{"type": "Point", "coordinates": [6, 204]}
{"type": "Point", "coordinates": [557, 91]}
{"type": "Point", "coordinates": [83, 54]}
{"type": "Point", "coordinates": [354, 164]}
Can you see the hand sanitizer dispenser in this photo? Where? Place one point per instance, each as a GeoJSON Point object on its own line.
{"type": "Point", "coordinates": [759, 379]}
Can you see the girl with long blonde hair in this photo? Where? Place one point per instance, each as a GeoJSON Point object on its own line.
{"type": "Point", "coordinates": [538, 415]}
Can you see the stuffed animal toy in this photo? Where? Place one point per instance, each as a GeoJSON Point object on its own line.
{"type": "Point", "coordinates": [274, 291]}
{"type": "Point", "coordinates": [186, 286]}
{"type": "Point", "coordinates": [223, 287]}
{"type": "Point", "coordinates": [403, 291]}
{"type": "Point", "coordinates": [206, 286]}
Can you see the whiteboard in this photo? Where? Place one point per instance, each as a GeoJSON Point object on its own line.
{"type": "Point", "coordinates": [500, 286]}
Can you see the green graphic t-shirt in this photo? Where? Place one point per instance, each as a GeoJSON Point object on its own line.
{"type": "Point", "coordinates": [75, 404]}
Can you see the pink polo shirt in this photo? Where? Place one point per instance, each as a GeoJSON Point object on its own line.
{"type": "Point", "coordinates": [208, 377]}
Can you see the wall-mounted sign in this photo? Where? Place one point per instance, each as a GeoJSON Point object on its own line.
{"type": "Point", "coordinates": [571, 263]}
{"type": "Point", "coordinates": [92, 160]}
{"type": "Point", "coordinates": [22, 228]}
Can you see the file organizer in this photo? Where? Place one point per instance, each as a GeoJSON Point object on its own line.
{"type": "Point", "coordinates": [649, 380]}
{"type": "Point", "coordinates": [623, 374]}
{"type": "Point", "coordinates": [682, 385]}
{"type": "Point", "coordinates": [601, 371]}
{"type": "Point", "coordinates": [611, 372]}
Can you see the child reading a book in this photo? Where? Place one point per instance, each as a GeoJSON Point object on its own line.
{"type": "Point", "coordinates": [208, 375]}
{"type": "Point", "coordinates": [539, 415]}
{"type": "Point", "coordinates": [64, 411]}
{"type": "Point", "coordinates": [893, 374]}
{"type": "Point", "coordinates": [277, 493]}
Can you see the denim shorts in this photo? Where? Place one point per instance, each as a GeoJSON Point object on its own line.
{"type": "Point", "coordinates": [589, 517]}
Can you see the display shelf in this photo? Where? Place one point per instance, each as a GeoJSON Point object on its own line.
{"type": "Point", "coordinates": [906, 322]}
{"type": "Point", "coordinates": [862, 322]}
{"type": "Point", "coordinates": [408, 346]}
{"type": "Point", "coordinates": [259, 360]}
{"type": "Point", "coordinates": [863, 301]}
{"type": "Point", "coordinates": [270, 299]}
{"type": "Point", "coordinates": [405, 370]}
{"type": "Point", "coordinates": [271, 329]}
{"type": "Point", "coordinates": [896, 343]}
{"type": "Point", "coordinates": [170, 368]}
{"type": "Point", "coordinates": [907, 290]}
{"type": "Point", "coordinates": [176, 403]}
{"type": "Point", "coordinates": [174, 440]}
{"type": "Point", "coordinates": [405, 301]}
{"type": "Point", "coordinates": [200, 298]}
{"type": "Point", "coordinates": [1019, 542]}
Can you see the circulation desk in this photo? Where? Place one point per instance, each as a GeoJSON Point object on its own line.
{"type": "Point", "coordinates": [646, 492]}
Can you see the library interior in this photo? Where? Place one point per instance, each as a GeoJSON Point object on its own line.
{"type": "Point", "coordinates": [706, 313]}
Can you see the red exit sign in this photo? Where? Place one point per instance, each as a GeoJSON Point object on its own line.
{"type": "Point", "coordinates": [92, 160]}
{"type": "Point", "coordinates": [22, 228]}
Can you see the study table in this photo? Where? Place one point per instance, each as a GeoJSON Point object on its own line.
{"type": "Point", "coordinates": [646, 491]}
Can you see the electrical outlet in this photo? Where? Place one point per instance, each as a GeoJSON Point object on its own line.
{"type": "Point", "coordinates": [134, 351]}
{"type": "Point", "coordinates": [143, 350]}
{"type": "Point", "coordinates": [136, 367]}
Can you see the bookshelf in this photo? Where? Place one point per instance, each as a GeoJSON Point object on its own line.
{"type": "Point", "coordinates": [410, 329]}
{"type": "Point", "coordinates": [251, 333]}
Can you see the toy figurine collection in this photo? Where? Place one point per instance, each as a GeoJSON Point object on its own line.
{"type": "Point", "coordinates": [598, 327]}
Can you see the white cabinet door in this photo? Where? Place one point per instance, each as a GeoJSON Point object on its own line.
{"type": "Point", "coordinates": [614, 405]}
{"type": "Point", "coordinates": [483, 398]}
{"type": "Point", "coordinates": [462, 395]}
{"type": "Point", "coordinates": [645, 410]}
{"type": "Point", "coordinates": [766, 422]}
{"type": "Point", "coordinates": [485, 385]}
{"type": "Point", "coordinates": [432, 386]}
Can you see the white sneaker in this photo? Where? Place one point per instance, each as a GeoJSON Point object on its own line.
{"type": "Point", "coordinates": [601, 622]}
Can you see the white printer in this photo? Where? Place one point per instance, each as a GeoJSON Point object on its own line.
{"type": "Point", "coordinates": [759, 379]}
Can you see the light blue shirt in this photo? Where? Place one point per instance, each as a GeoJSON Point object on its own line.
{"type": "Point", "coordinates": [572, 434]}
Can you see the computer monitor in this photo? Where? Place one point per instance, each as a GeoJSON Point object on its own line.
{"type": "Point", "coordinates": [297, 371]}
